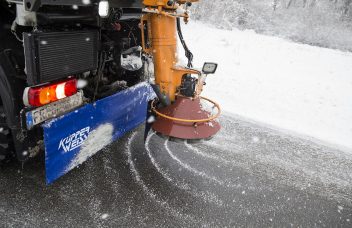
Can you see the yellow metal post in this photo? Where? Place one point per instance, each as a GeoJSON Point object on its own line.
{"type": "Point", "coordinates": [163, 37]}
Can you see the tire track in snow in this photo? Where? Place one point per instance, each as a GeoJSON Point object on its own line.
{"type": "Point", "coordinates": [148, 192]}
{"type": "Point", "coordinates": [205, 196]}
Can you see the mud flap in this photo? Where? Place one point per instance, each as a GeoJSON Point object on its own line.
{"type": "Point", "coordinates": [73, 138]}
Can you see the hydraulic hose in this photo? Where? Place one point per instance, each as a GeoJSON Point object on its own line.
{"type": "Point", "coordinates": [188, 53]}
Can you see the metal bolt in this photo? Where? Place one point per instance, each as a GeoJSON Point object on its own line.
{"type": "Point", "coordinates": [170, 2]}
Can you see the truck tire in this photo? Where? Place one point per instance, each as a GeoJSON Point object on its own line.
{"type": "Point", "coordinates": [6, 145]}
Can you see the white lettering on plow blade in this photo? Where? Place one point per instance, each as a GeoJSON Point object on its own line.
{"type": "Point", "coordinates": [75, 140]}
{"type": "Point", "coordinates": [97, 140]}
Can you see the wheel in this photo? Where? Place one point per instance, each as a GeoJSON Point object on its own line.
{"type": "Point", "coordinates": [6, 144]}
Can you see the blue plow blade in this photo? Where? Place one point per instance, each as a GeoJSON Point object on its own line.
{"type": "Point", "coordinates": [74, 137]}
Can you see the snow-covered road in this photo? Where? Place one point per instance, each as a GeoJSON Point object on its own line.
{"type": "Point", "coordinates": [248, 175]}
{"type": "Point", "coordinates": [300, 88]}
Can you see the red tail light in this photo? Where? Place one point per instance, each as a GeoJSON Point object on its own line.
{"type": "Point", "coordinates": [39, 96]}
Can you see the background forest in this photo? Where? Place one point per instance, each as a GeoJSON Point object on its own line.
{"type": "Point", "coordinates": [325, 23]}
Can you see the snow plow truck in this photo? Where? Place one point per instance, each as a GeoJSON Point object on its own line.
{"type": "Point", "coordinates": [75, 75]}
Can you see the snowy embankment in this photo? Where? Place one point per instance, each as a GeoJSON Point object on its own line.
{"type": "Point", "coordinates": [300, 88]}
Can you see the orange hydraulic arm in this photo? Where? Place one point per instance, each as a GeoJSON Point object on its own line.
{"type": "Point", "coordinates": [183, 115]}
{"type": "Point", "coordinates": [163, 38]}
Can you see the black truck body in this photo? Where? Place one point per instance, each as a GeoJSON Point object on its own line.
{"type": "Point", "coordinates": [48, 42]}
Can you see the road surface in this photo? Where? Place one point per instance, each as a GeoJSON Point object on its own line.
{"type": "Point", "coordinates": [248, 175]}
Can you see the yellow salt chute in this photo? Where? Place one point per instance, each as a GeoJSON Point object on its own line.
{"type": "Point", "coordinates": [184, 117]}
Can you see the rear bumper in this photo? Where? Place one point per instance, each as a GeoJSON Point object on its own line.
{"type": "Point", "coordinates": [74, 137]}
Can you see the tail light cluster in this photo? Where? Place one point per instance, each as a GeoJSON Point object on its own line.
{"type": "Point", "coordinates": [42, 95]}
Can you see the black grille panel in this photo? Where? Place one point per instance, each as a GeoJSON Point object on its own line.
{"type": "Point", "coordinates": [55, 55]}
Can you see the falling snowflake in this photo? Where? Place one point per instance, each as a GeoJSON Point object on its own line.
{"type": "Point", "coordinates": [86, 2]}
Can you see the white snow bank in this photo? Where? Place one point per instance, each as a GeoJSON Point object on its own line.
{"type": "Point", "coordinates": [298, 87]}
